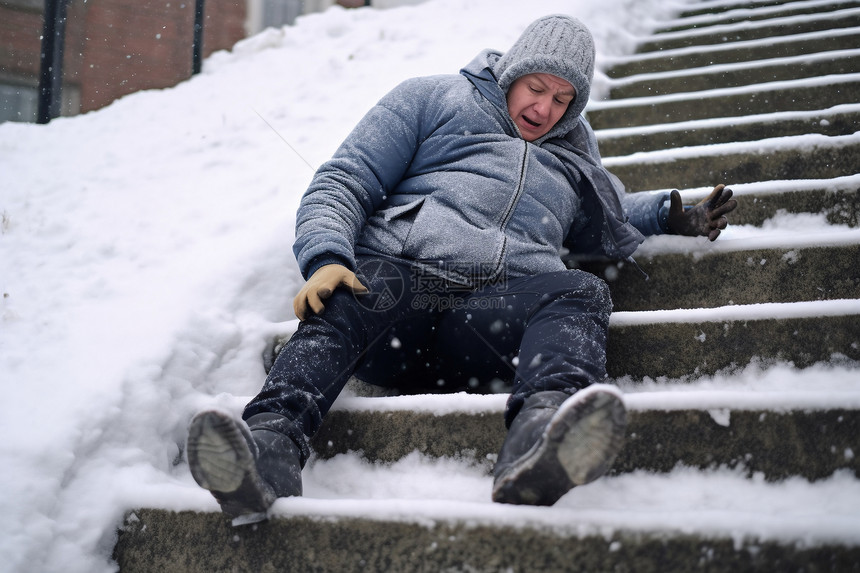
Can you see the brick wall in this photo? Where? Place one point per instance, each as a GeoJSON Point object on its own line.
{"type": "Point", "coordinates": [225, 24]}
{"type": "Point", "coordinates": [20, 32]}
{"type": "Point", "coordinates": [116, 47]}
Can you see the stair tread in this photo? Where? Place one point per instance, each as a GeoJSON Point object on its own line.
{"type": "Point", "coordinates": [781, 85]}
{"type": "Point", "coordinates": [744, 65]}
{"type": "Point", "coordinates": [752, 30]}
{"type": "Point", "coordinates": [786, 95]}
{"type": "Point", "coordinates": [721, 53]}
{"type": "Point", "coordinates": [709, 504]}
{"type": "Point", "coordinates": [834, 121]}
{"type": "Point", "coordinates": [790, 157]}
{"type": "Point", "coordinates": [715, 520]}
{"type": "Point", "coordinates": [776, 388]}
{"type": "Point", "coordinates": [836, 200]}
{"type": "Point", "coordinates": [746, 24]}
{"type": "Point", "coordinates": [805, 141]}
{"type": "Point", "coordinates": [737, 74]}
{"type": "Point", "coordinates": [841, 394]}
{"type": "Point", "coordinates": [775, 187]}
{"type": "Point", "coordinates": [746, 240]}
{"type": "Point", "coordinates": [720, 6]}
{"type": "Point", "coordinates": [620, 504]}
{"type": "Point", "coordinates": [756, 13]}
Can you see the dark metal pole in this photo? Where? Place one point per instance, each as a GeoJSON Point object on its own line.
{"type": "Point", "coordinates": [197, 48]}
{"type": "Point", "coordinates": [51, 60]}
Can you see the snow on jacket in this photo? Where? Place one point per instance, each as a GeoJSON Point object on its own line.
{"type": "Point", "coordinates": [437, 172]}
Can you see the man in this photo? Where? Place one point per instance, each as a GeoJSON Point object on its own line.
{"type": "Point", "coordinates": [430, 243]}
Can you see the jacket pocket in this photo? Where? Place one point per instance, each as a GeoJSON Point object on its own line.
{"type": "Point", "coordinates": [441, 233]}
{"type": "Point", "coordinates": [400, 211]}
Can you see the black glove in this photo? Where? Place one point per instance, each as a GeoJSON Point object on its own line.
{"type": "Point", "coordinates": [707, 217]}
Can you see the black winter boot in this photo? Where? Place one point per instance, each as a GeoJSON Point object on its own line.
{"type": "Point", "coordinates": [244, 469]}
{"type": "Point", "coordinates": [558, 441]}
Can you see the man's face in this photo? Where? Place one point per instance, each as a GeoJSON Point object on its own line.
{"type": "Point", "coordinates": [537, 101]}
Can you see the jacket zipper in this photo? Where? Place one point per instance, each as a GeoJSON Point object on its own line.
{"type": "Point", "coordinates": [503, 223]}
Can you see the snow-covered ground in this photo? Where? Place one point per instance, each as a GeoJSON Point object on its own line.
{"type": "Point", "coordinates": [145, 264]}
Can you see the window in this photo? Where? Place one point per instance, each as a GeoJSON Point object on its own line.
{"type": "Point", "coordinates": [264, 14]}
{"type": "Point", "coordinates": [277, 13]}
{"type": "Point", "coordinates": [18, 103]}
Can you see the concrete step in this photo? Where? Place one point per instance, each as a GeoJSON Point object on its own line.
{"type": "Point", "coordinates": [433, 537]}
{"type": "Point", "coordinates": [703, 341]}
{"type": "Point", "coordinates": [745, 31]}
{"type": "Point", "coordinates": [774, 436]}
{"type": "Point", "coordinates": [684, 342]}
{"type": "Point", "coordinates": [838, 120]}
{"type": "Point", "coordinates": [798, 157]}
{"type": "Point", "coordinates": [737, 74]}
{"type": "Point", "coordinates": [728, 53]}
{"type": "Point", "coordinates": [755, 13]}
{"type": "Point", "coordinates": [837, 199]}
{"type": "Point", "coordinates": [678, 343]}
{"type": "Point", "coordinates": [706, 275]}
{"type": "Point", "coordinates": [793, 95]}
{"type": "Point", "coordinates": [720, 6]}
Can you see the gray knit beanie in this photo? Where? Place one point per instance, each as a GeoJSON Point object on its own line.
{"type": "Point", "coordinates": [557, 45]}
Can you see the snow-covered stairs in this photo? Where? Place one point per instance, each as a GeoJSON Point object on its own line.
{"type": "Point", "coordinates": [702, 349]}
{"type": "Point", "coordinates": [776, 444]}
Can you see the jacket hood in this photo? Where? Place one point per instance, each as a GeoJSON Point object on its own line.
{"type": "Point", "coordinates": [557, 45]}
{"type": "Point", "coordinates": [480, 72]}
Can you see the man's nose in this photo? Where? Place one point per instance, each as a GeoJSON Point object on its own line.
{"type": "Point", "coordinates": [541, 107]}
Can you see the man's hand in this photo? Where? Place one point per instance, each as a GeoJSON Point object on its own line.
{"type": "Point", "coordinates": [708, 217]}
{"type": "Point", "coordinates": [321, 285]}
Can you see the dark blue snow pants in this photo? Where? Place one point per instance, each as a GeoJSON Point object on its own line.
{"type": "Point", "coordinates": [416, 332]}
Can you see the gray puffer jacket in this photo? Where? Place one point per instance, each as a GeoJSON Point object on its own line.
{"type": "Point", "coordinates": [437, 173]}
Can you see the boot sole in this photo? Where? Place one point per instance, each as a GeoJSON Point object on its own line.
{"type": "Point", "coordinates": [221, 461]}
{"type": "Point", "coordinates": [218, 453]}
{"type": "Point", "coordinates": [579, 445]}
{"type": "Point", "coordinates": [592, 432]}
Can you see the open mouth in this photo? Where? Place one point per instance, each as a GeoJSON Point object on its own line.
{"type": "Point", "coordinates": [530, 122]}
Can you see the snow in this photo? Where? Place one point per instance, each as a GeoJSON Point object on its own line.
{"type": "Point", "coordinates": [828, 513]}
{"type": "Point", "coordinates": [783, 235]}
{"type": "Point", "coordinates": [762, 311]}
{"type": "Point", "coordinates": [146, 265]}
